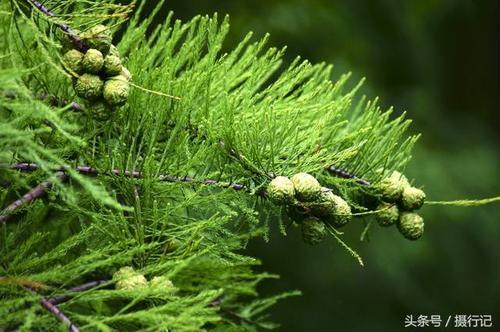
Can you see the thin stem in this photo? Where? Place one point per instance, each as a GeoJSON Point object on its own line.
{"type": "Point", "coordinates": [55, 311]}
{"type": "Point", "coordinates": [337, 171]}
{"type": "Point", "coordinates": [30, 196]}
{"type": "Point", "coordinates": [136, 174]}
{"type": "Point", "coordinates": [218, 303]}
{"type": "Point", "coordinates": [81, 288]}
{"type": "Point", "coordinates": [51, 99]}
{"type": "Point", "coordinates": [466, 202]}
{"type": "Point", "coordinates": [59, 102]}
{"type": "Point", "coordinates": [79, 44]}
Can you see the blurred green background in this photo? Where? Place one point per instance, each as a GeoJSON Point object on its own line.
{"type": "Point", "coordinates": [440, 62]}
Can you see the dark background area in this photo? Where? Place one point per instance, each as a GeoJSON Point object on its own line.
{"type": "Point", "coordinates": [440, 62]}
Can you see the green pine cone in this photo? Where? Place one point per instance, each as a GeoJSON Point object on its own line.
{"type": "Point", "coordinates": [324, 205]}
{"type": "Point", "coordinates": [112, 65]}
{"type": "Point", "coordinates": [126, 73]}
{"type": "Point", "coordinates": [307, 188]}
{"type": "Point", "coordinates": [389, 214]}
{"type": "Point", "coordinates": [127, 278]}
{"type": "Point", "coordinates": [164, 283]}
{"type": "Point", "coordinates": [89, 86]}
{"type": "Point", "coordinates": [99, 110]}
{"type": "Point", "coordinates": [93, 61]}
{"type": "Point", "coordinates": [113, 51]}
{"type": "Point", "coordinates": [116, 91]}
{"type": "Point", "coordinates": [412, 198]}
{"type": "Point", "coordinates": [411, 225]}
{"type": "Point", "coordinates": [281, 190]}
{"type": "Point", "coordinates": [392, 186]}
{"type": "Point", "coordinates": [341, 214]}
{"type": "Point", "coordinates": [98, 37]}
{"type": "Point", "coordinates": [73, 60]}
{"type": "Point", "coordinates": [313, 230]}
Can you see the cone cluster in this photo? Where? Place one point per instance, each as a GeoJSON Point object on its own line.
{"type": "Point", "coordinates": [126, 278]}
{"type": "Point", "coordinates": [317, 205]}
{"type": "Point", "coordinates": [99, 72]}
{"type": "Point", "coordinates": [399, 201]}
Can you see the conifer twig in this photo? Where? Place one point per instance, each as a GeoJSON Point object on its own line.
{"type": "Point", "coordinates": [342, 173]}
{"type": "Point", "coordinates": [51, 99]}
{"type": "Point", "coordinates": [34, 193]}
{"type": "Point", "coordinates": [137, 174]}
{"type": "Point", "coordinates": [56, 101]}
{"type": "Point", "coordinates": [218, 303]}
{"type": "Point", "coordinates": [79, 44]}
{"type": "Point", "coordinates": [81, 288]}
{"type": "Point", "coordinates": [55, 311]}
{"type": "Point", "coordinates": [332, 169]}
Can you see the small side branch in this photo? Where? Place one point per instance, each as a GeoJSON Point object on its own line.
{"type": "Point", "coordinates": [136, 174]}
{"type": "Point", "coordinates": [81, 288]}
{"type": "Point", "coordinates": [41, 189]}
{"type": "Point", "coordinates": [234, 315]}
{"type": "Point", "coordinates": [79, 44]}
{"type": "Point", "coordinates": [30, 196]}
{"type": "Point", "coordinates": [50, 99]}
{"type": "Point", "coordinates": [342, 173]}
{"type": "Point", "coordinates": [59, 102]}
{"type": "Point", "coordinates": [56, 312]}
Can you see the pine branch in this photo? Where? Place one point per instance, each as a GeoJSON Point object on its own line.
{"type": "Point", "coordinates": [87, 170]}
{"type": "Point", "coordinates": [234, 315]}
{"type": "Point", "coordinates": [60, 102]}
{"type": "Point", "coordinates": [332, 169]}
{"type": "Point", "coordinates": [50, 99]}
{"type": "Point", "coordinates": [42, 188]}
{"type": "Point", "coordinates": [342, 173]}
{"type": "Point", "coordinates": [30, 196]}
{"type": "Point", "coordinates": [81, 288]}
{"type": "Point", "coordinates": [55, 311]}
{"type": "Point", "coordinates": [77, 41]}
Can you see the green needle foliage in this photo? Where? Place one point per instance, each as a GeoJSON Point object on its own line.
{"type": "Point", "coordinates": [236, 117]}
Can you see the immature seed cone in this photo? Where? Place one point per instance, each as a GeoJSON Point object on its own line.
{"type": "Point", "coordinates": [324, 205]}
{"type": "Point", "coordinates": [281, 191]}
{"type": "Point", "coordinates": [341, 214]}
{"type": "Point", "coordinates": [126, 73]}
{"type": "Point", "coordinates": [73, 60]}
{"type": "Point", "coordinates": [99, 110]}
{"type": "Point", "coordinates": [164, 283]}
{"type": "Point", "coordinates": [112, 65]}
{"type": "Point", "coordinates": [388, 215]}
{"type": "Point", "coordinates": [313, 230]}
{"type": "Point", "coordinates": [116, 91]}
{"type": "Point", "coordinates": [98, 37]}
{"type": "Point", "coordinates": [411, 225]}
{"type": "Point", "coordinates": [89, 86]}
{"type": "Point", "coordinates": [113, 51]}
{"type": "Point", "coordinates": [127, 278]}
{"type": "Point", "coordinates": [307, 188]}
{"type": "Point", "coordinates": [412, 198]}
{"type": "Point", "coordinates": [392, 186]}
{"type": "Point", "coordinates": [93, 61]}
